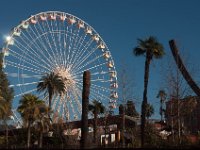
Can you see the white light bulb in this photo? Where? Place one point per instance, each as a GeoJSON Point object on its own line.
{"type": "Point", "coordinates": [8, 38]}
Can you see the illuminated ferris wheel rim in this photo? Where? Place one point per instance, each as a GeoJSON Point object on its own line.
{"type": "Point", "coordinates": [71, 20]}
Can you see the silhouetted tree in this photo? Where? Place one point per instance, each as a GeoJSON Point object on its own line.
{"type": "Point", "coordinates": [96, 108]}
{"type": "Point", "coordinates": [151, 48]}
{"type": "Point", "coordinates": [6, 96]}
{"type": "Point", "coordinates": [162, 95]}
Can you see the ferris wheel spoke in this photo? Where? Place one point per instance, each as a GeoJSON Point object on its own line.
{"type": "Point", "coordinates": [98, 80]}
{"type": "Point", "coordinates": [72, 108]}
{"type": "Point", "coordinates": [60, 103]}
{"type": "Point", "coordinates": [47, 39]}
{"type": "Point", "coordinates": [9, 63]}
{"type": "Point", "coordinates": [46, 33]}
{"type": "Point", "coordinates": [76, 93]}
{"type": "Point", "coordinates": [57, 36]}
{"type": "Point", "coordinates": [98, 88]}
{"type": "Point", "coordinates": [30, 62]}
{"type": "Point", "coordinates": [22, 75]}
{"type": "Point", "coordinates": [87, 41]}
{"type": "Point", "coordinates": [44, 97]}
{"type": "Point", "coordinates": [61, 54]}
{"type": "Point", "coordinates": [91, 68]}
{"type": "Point", "coordinates": [27, 50]}
{"type": "Point", "coordinates": [83, 60]}
{"type": "Point", "coordinates": [24, 49]}
{"type": "Point", "coordinates": [55, 102]}
{"type": "Point", "coordinates": [24, 84]}
{"type": "Point", "coordinates": [75, 47]}
{"type": "Point", "coordinates": [38, 48]}
{"type": "Point", "coordinates": [78, 47]}
{"type": "Point", "coordinates": [64, 45]}
{"type": "Point", "coordinates": [88, 62]}
{"type": "Point", "coordinates": [29, 91]}
{"type": "Point", "coordinates": [103, 88]}
{"type": "Point", "coordinates": [84, 50]}
{"type": "Point", "coordinates": [66, 40]}
{"type": "Point", "coordinates": [53, 41]}
{"type": "Point", "coordinates": [69, 48]}
{"type": "Point", "coordinates": [96, 94]}
{"type": "Point", "coordinates": [78, 77]}
{"type": "Point", "coordinates": [42, 43]}
{"type": "Point", "coordinates": [66, 112]}
{"type": "Point", "coordinates": [18, 120]}
{"type": "Point", "coordinates": [51, 28]}
{"type": "Point", "coordinates": [75, 37]}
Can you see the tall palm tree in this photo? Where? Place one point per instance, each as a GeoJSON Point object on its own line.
{"type": "Point", "coordinates": [28, 102]}
{"type": "Point", "coordinates": [96, 108]}
{"type": "Point", "coordinates": [162, 95]}
{"type": "Point", "coordinates": [150, 48]}
{"type": "Point", "coordinates": [51, 84]}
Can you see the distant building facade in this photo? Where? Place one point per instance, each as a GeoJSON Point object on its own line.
{"type": "Point", "coordinates": [187, 111]}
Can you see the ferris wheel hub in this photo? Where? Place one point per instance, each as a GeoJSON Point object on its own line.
{"type": "Point", "coordinates": [65, 75]}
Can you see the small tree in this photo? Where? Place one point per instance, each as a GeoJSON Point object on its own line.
{"type": "Point", "coordinates": [28, 102]}
{"type": "Point", "coordinates": [51, 84]}
{"type": "Point", "coordinates": [130, 109]}
{"type": "Point", "coordinates": [162, 95]}
{"type": "Point", "coordinates": [96, 108]}
{"type": "Point", "coordinates": [149, 110]}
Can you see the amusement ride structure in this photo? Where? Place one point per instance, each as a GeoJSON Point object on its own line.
{"type": "Point", "coordinates": [64, 44]}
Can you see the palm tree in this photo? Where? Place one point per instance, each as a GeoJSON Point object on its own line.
{"type": "Point", "coordinates": [52, 84]}
{"type": "Point", "coordinates": [28, 102]}
{"type": "Point", "coordinates": [162, 95]}
{"type": "Point", "coordinates": [149, 110]}
{"type": "Point", "coordinates": [96, 108]}
{"type": "Point", "coordinates": [151, 48]}
{"type": "Point", "coordinates": [42, 121]}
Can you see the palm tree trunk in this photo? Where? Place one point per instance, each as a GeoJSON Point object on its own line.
{"type": "Point", "coordinates": [6, 133]}
{"type": "Point", "coordinates": [29, 135]}
{"type": "Point", "coordinates": [144, 102]}
{"type": "Point", "coordinates": [85, 103]}
{"type": "Point", "coordinates": [40, 139]}
{"type": "Point", "coordinates": [161, 111]}
{"type": "Point", "coordinates": [95, 127]}
{"type": "Point", "coordinates": [50, 99]}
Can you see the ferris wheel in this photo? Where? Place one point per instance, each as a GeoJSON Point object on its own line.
{"type": "Point", "coordinates": [62, 43]}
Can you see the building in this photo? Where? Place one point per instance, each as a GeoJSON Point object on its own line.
{"type": "Point", "coordinates": [186, 111]}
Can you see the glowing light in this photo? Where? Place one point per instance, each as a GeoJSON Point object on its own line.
{"type": "Point", "coordinates": [8, 38]}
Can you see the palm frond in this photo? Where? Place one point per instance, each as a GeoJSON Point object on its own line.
{"type": "Point", "coordinates": [139, 51]}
